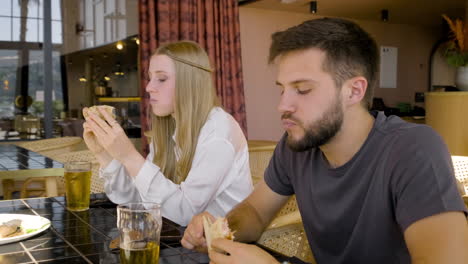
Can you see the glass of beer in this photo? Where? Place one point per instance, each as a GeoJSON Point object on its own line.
{"type": "Point", "coordinates": [77, 185]}
{"type": "Point", "coordinates": [139, 227]}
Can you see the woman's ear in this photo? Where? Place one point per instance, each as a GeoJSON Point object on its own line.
{"type": "Point", "coordinates": [355, 90]}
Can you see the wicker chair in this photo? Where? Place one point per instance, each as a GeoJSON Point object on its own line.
{"type": "Point", "coordinates": [52, 147]}
{"type": "Point", "coordinates": [289, 240]}
{"type": "Point", "coordinates": [285, 234]}
{"type": "Point", "coordinates": [48, 147]}
{"type": "Point", "coordinates": [460, 166]}
{"type": "Point", "coordinates": [260, 153]}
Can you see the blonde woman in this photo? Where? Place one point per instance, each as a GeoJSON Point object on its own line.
{"type": "Point", "coordinates": [198, 156]}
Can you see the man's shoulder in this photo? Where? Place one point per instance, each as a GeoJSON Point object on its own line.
{"type": "Point", "coordinates": [395, 127]}
{"type": "Point", "coordinates": [405, 141]}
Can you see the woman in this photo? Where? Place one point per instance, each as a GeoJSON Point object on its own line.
{"type": "Point", "coordinates": [198, 158]}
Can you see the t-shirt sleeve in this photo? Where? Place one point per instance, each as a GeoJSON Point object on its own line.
{"type": "Point", "coordinates": [423, 182]}
{"type": "Point", "coordinates": [276, 174]}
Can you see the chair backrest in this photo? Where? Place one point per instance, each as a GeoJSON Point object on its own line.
{"type": "Point", "coordinates": [289, 240]}
{"type": "Point", "coordinates": [51, 143]}
{"type": "Point", "coordinates": [97, 184]}
{"type": "Point", "coordinates": [460, 166]}
{"type": "Point", "coordinates": [260, 152]}
{"type": "Point", "coordinates": [52, 147]}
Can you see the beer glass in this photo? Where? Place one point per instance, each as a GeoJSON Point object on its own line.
{"type": "Point", "coordinates": [139, 227]}
{"type": "Point", "coordinates": [77, 185]}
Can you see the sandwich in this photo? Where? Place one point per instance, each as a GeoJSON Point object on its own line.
{"type": "Point", "coordinates": [11, 228]}
{"type": "Point", "coordinates": [217, 229]}
{"type": "Point", "coordinates": [94, 109]}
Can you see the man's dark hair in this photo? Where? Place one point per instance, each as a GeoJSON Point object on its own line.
{"type": "Point", "coordinates": [350, 51]}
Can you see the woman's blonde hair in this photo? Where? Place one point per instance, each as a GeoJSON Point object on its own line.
{"type": "Point", "coordinates": [195, 96]}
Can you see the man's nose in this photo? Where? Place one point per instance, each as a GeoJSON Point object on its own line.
{"type": "Point", "coordinates": [286, 103]}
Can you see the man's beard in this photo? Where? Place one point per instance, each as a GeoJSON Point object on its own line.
{"type": "Point", "coordinates": [320, 132]}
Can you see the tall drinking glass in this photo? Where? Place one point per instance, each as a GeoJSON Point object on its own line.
{"type": "Point", "coordinates": [77, 185]}
{"type": "Point", "coordinates": [139, 226]}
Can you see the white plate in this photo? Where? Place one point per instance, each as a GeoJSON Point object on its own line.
{"type": "Point", "coordinates": [38, 223]}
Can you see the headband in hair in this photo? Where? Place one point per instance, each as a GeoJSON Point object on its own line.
{"type": "Point", "coordinates": [168, 53]}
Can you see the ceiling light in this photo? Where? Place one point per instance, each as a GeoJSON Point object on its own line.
{"type": "Point", "coordinates": [119, 45]}
{"type": "Point", "coordinates": [118, 70]}
{"type": "Point", "coordinates": [82, 79]}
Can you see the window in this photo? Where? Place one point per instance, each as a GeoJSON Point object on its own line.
{"type": "Point", "coordinates": [8, 67]}
{"type": "Point", "coordinates": [13, 15]}
{"type": "Point", "coordinates": [21, 55]}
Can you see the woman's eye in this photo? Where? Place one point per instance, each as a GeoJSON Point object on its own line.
{"type": "Point", "coordinates": [162, 80]}
{"type": "Point", "coordinates": [306, 91]}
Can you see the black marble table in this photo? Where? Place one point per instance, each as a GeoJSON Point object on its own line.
{"type": "Point", "coordinates": [84, 237]}
{"type": "Point", "coordinates": [14, 158]}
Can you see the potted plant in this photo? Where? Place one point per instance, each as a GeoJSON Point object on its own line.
{"type": "Point", "coordinates": [457, 51]}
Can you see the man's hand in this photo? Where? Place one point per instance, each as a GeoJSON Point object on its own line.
{"type": "Point", "coordinates": [193, 235]}
{"type": "Point", "coordinates": [238, 253]}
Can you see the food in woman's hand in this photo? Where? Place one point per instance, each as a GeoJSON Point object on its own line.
{"type": "Point", "coordinates": [94, 109]}
{"type": "Point", "coordinates": [217, 229]}
{"type": "Point", "coordinates": [11, 228]}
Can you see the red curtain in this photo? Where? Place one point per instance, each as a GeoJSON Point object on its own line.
{"type": "Point", "coordinates": [214, 24]}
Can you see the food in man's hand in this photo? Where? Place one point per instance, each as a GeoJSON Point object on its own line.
{"type": "Point", "coordinates": [216, 229]}
{"type": "Point", "coordinates": [11, 228]}
{"type": "Point", "coordinates": [94, 109]}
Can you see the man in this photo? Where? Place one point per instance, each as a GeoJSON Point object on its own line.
{"type": "Point", "coordinates": [370, 188]}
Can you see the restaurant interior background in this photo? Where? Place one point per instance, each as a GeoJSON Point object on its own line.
{"type": "Point", "coordinates": [94, 61]}
{"type": "Point", "coordinates": [95, 58]}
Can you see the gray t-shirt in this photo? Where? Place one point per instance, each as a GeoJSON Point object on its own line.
{"type": "Point", "coordinates": [357, 213]}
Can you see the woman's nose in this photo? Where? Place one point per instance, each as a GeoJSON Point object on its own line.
{"type": "Point", "coordinates": [150, 87]}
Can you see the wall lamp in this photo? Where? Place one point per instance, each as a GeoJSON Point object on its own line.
{"type": "Point", "coordinates": [384, 15]}
{"type": "Point", "coordinates": [313, 7]}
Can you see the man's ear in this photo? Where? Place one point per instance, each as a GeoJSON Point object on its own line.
{"type": "Point", "coordinates": [354, 90]}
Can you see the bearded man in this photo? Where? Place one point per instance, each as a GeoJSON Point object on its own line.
{"type": "Point", "coordinates": [370, 188]}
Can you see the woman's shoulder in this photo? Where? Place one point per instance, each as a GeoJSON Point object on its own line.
{"type": "Point", "coordinates": [220, 125]}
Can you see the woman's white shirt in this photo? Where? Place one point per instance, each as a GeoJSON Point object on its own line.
{"type": "Point", "coordinates": [218, 180]}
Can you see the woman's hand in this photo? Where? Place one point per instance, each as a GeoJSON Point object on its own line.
{"type": "Point", "coordinates": [91, 140]}
{"type": "Point", "coordinates": [193, 235]}
{"type": "Point", "coordinates": [110, 136]}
